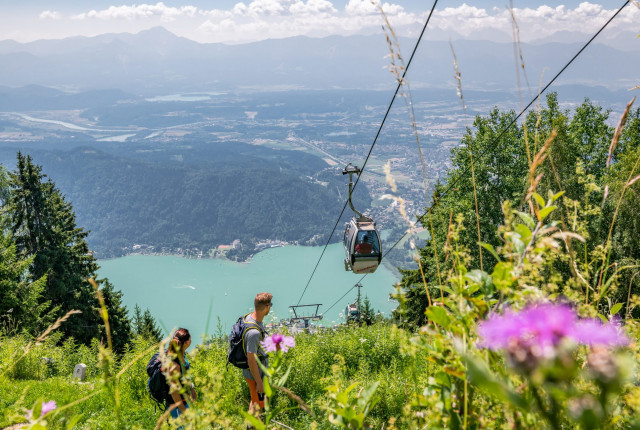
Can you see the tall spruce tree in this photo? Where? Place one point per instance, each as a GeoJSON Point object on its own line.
{"type": "Point", "coordinates": [136, 321]}
{"type": "Point", "coordinates": [150, 329]}
{"type": "Point", "coordinates": [119, 322]}
{"type": "Point", "coordinates": [145, 325]}
{"type": "Point", "coordinates": [44, 229]}
{"type": "Point", "coordinates": [22, 305]}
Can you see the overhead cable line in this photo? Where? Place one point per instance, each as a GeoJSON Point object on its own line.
{"type": "Point", "coordinates": [339, 300]}
{"type": "Point", "coordinates": [400, 82]}
{"type": "Point", "coordinates": [496, 140]}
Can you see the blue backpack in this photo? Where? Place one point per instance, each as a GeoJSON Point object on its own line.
{"type": "Point", "coordinates": [157, 384]}
{"type": "Point", "coordinates": [237, 348]}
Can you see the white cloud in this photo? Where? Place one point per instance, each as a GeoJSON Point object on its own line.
{"type": "Point", "coordinates": [259, 19]}
{"type": "Point", "coordinates": [48, 14]}
{"type": "Point", "coordinates": [365, 7]}
{"type": "Point", "coordinates": [165, 13]}
{"type": "Point", "coordinates": [533, 22]}
{"type": "Point", "coordinates": [267, 8]}
{"type": "Point", "coordinates": [312, 7]}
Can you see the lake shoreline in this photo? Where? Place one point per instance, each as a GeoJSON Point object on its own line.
{"type": "Point", "coordinates": [183, 292]}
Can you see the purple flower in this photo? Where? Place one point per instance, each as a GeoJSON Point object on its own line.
{"type": "Point", "coordinates": [544, 326]}
{"type": "Point", "coordinates": [271, 343]}
{"type": "Point", "coordinates": [48, 407]}
{"type": "Point", "coordinates": [594, 332]}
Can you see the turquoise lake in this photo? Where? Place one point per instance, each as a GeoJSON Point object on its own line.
{"type": "Point", "coordinates": [179, 291]}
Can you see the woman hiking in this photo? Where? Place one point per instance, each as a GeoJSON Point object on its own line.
{"type": "Point", "coordinates": [179, 365]}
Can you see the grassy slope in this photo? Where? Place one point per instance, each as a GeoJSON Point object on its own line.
{"type": "Point", "coordinates": [369, 354]}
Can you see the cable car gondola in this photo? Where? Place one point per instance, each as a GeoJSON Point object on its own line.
{"type": "Point", "coordinates": [361, 239]}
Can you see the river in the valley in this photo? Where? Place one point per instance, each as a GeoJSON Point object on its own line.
{"type": "Point", "coordinates": [194, 293]}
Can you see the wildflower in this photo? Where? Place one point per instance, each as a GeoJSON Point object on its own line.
{"type": "Point", "coordinates": [278, 341]}
{"type": "Point", "coordinates": [46, 408]}
{"type": "Point", "coordinates": [544, 327]}
{"type": "Point", "coordinates": [594, 332]}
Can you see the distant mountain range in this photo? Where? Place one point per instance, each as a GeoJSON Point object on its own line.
{"type": "Point", "coordinates": [156, 61]}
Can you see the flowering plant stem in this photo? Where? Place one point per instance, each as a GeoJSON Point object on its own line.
{"type": "Point", "coordinates": [552, 415]}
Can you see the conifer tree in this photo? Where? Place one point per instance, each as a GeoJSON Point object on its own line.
{"type": "Point", "coordinates": [367, 313]}
{"type": "Point", "coordinates": [144, 325]}
{"type": "Point", "coordinates": [44, 229]}
{"type": "Point", "coordinates": [22, 306]}
{"type": "Point", "coordinates": [150, 329]}
{"type": "Point", "coordinates": [136, 321]}
{"type": "Point", "coordinates": [119, 322]}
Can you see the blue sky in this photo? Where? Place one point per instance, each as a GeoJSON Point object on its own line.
{"type": "Point", "coordinates": [234, 21]}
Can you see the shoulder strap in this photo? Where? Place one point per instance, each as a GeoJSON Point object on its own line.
{"type": "Point", "coordinates": [249, 326]}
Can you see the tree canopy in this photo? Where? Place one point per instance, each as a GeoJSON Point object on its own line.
{"type": "Point", "coordinates": [576, 162]}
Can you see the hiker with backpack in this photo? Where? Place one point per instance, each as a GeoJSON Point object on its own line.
{"type": "Point", "coordinates": [245, 349]}
{"type": "Point", "coordinates": [179, 365]}
{"type": "Point", "coordinates": [161, 391]}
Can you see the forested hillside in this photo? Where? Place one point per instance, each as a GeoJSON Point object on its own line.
{"type": "Point", "coordinates": [580, 159]}
{"type": "Point", "coordinates": [47, 271]}
{"type": "Point", "coordinates": [194, 196]}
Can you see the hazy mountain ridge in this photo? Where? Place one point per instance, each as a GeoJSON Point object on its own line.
{"type": "Point", "coordinates": [156, 59]}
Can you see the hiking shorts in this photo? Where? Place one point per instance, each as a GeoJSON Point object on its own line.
{"type": "Point", "coordinates": [254, 393]}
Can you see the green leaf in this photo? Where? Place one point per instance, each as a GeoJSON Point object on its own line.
{"type": "Point", "coordinates": [607, 285]}
{"type": "Point", "coordinates": [438, 315]}
{"type": "Point", "coordinates": [527, 219]}
{"type": "Point", "coordinates": [36, 410]}
{"type": "Point", "coordinates": [73, 421]}
{"type": "Point", "coordinates": [267, 387]}
{"type": "Point", "coordinates": [366, 399]}
{"type": "Point", "coordinates": [616, 308]}
{"type": "Point", "coordinates": [483, 279]}
{"type": "Point", "coordinates": [524, 231]}
{"type": "Point", "coordinates": [448, 290]}
{"type": "Point", "coordinates": [502, 276]}
{"type": "Point", "coordinates": [539, 199]}
{"type": "Point", "coordinates": [443, 379]}
{"type": "Point", "coordinates": [351, 387]}
{"type": "Point", "coordinates": [489, 248]}
{"type": "Point", "coordinates": [603, 318]}
{"type": "Point", "coordinates": [283, 380]}
{"type": "Point", "coordinates": [556, 196]}
{"type": "Point", "coordinates": [546, 211]}
{"type": "Point", "coordinates": [472, 289]}
{"type": "Point", "coordinates": [480, 375]}
{"type": "Point", "coordinates": [518, 243]}
{"type": "Point", "coordinates": [259, 425]}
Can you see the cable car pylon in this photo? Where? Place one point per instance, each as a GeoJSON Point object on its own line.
{"type": "Point", "coordinates": [361, 239]}
{"type": "Point", "coordinates": [352, 311]}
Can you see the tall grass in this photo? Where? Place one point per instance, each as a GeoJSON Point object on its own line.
{"type": "Point", "coordinates": [363, 355]}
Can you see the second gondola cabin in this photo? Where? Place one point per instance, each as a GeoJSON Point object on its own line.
{"type": "Point", "coordinates": [362, 245]}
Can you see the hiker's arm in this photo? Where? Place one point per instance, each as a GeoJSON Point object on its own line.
{"type": "Point", "coordinates": [255, 371]}
{"type": "Point", "coordinates": [175, 394]}
{"type": "Point", "coordinates": [177, 400]}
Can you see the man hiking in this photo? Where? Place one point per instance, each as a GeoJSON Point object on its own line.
{"type": "Point", "coordinates": [253, 375]}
